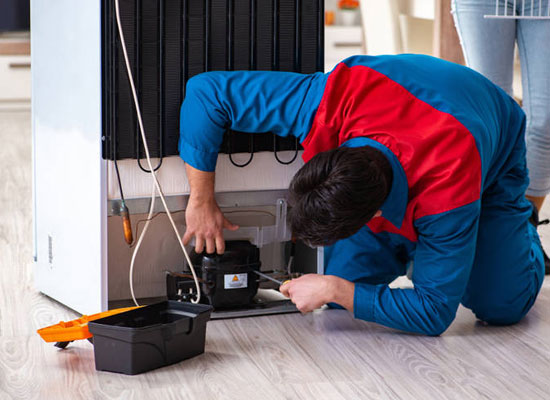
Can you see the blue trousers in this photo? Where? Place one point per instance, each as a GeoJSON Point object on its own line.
{"type": "Point", "coordinates": [508, 268]}
{"type": "Point", "coordinates": [488, 46]}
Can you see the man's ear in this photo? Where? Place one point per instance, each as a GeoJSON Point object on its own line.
{"type": "Point", "coordinates": [378, 213]}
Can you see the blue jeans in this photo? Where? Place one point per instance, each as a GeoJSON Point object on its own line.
{"type": "Point", "coordinates": [488, 46]}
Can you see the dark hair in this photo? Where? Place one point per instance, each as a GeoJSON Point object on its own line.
{"type": "Point", "coordinates": [337, 192]}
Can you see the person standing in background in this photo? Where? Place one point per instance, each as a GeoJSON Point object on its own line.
{"type": "Point", "coordinates": [488, 45]}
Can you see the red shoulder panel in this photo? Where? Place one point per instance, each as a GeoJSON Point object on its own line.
{"type": "Point", "coordinates": [439, 155]}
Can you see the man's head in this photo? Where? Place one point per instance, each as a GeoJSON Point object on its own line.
{"type": "Point", "coordinates": [337, 192]}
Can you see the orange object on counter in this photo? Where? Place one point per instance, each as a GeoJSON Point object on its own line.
{"type": "Point", "coordinates": [348, 4]}
{"type": "Point", "coordinates": [76, 329]}
{"type": "Point", "coordinates": [329, 17]}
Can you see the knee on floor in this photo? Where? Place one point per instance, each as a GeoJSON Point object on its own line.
{"type": "Point", "coordinates": [500, 314]}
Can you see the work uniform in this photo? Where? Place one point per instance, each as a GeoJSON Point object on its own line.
{"type": "Point", "coordinates": [456, 209]}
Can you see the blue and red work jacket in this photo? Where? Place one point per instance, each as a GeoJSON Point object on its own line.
{"type": "Point", "coordinates": [445, 129]}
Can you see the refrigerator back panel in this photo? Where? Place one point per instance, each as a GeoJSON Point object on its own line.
{"type": "Point", "coordinates": [169, 41]}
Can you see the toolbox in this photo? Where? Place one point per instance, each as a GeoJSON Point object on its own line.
{"type": "Point", "coordinates": [149, 337]}
{"type": "Point", "coordinates": [138, 339]}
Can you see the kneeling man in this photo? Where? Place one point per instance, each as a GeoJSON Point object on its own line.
{"type": "Point", "coordinates": [410, 160]}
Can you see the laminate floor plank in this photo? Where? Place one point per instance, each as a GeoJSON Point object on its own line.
{"type": "Point", "coordinates": [323, 355]}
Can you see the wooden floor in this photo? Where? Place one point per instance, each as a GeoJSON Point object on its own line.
{"type": "Point", "coordinates": [324, 355]}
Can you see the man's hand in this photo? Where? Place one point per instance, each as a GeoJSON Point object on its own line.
{"type": "Point", "coordinates": [206, 222]}
{"type": "Point", "coordinates": [203, 217]}
{"type": "Point", "coordinates": [312, 291]}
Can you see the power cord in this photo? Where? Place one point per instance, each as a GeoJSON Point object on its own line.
{"type": "Point", "coordinates": [138, 244]}
{"type": "Point", "coordinates": [156, 186]}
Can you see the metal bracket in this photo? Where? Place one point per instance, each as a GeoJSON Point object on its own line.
{"type": "Point", "coordinates": [179, 202]}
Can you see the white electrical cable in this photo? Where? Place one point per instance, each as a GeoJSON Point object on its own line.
{"type": "Point", "coordinates": [153, 173]}
{"type": "Point", "coordinates": [138, 244]}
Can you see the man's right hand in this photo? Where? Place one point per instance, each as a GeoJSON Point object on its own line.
{"type": "Point", "coordinates": [203, 217]}
{"type": "Point", "coordinates": [206, 222]}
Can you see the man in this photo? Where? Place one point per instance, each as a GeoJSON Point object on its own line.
{"type": "Point", "coordinates": [409, 160]}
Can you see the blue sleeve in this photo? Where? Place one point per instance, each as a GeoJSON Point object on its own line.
{"type": "Point", "coordinates": [366, 257]}
{"type": "Point", "coordinates": [283, 103]}
{"type": "Point", "coordinates": [442, 264]}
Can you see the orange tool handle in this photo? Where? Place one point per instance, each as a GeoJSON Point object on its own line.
{"type": "Point", "coordinates": [127, 226]}
{"type": "Point", "coordinates": [76, 329]}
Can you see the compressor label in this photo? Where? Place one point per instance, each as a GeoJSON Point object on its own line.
{"type": "Point", "coordinates": [235, 281]}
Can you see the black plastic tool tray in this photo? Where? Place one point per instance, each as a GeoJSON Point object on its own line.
{"type": "Point", "coordinates": [149, 337]}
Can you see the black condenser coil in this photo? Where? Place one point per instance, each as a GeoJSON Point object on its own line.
{"type": "Point", "coordinates": [169, 41]}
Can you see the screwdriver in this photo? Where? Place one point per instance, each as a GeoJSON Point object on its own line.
{"type": "Point", "coordinates": [270, 278]}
